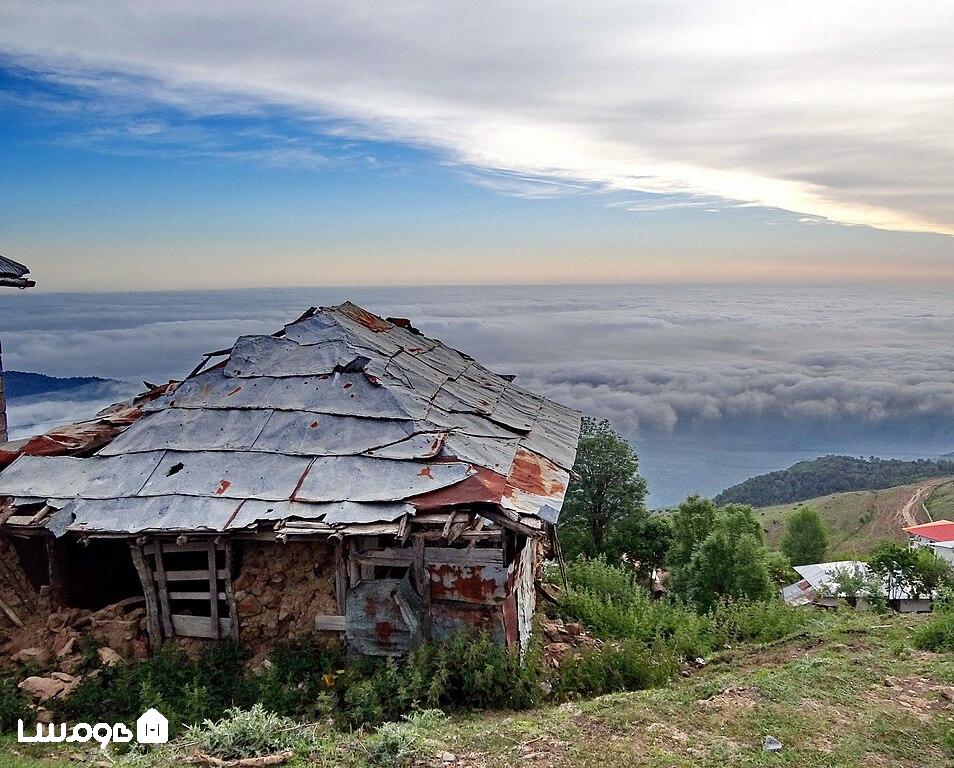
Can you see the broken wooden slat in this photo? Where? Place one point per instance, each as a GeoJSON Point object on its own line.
{"type": "Point", "coordinates": [199, 626]}
{"type": "Point", "coordinates": [188, 546]}
{"type": "Point", "coordinates": [422, 583]}
{"type": "Point", "coordinates": [477, 556]}
{"type": "Point", "coordinates": [11, 614]}
{"type": "Point", "coordinates": [330, 623]}
{"type": "Point", "coordinates": [163, 590]}
{"type": "Point", "coordinates": [149, 591]}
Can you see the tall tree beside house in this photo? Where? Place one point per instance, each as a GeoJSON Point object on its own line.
{"type": "Point", "coordinates": [717, 553]}
{"type": "Point", "coordinates": [604, 514]}
{"type": "Point", "coordinates": [805, 540]}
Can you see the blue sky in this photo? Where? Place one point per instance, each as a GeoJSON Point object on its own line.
{"type": "Point", "coordinates": [179, 148]}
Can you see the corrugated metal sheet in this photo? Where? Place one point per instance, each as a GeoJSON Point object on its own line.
{"type": "Point", "coordinates": [194, 429]}
{"type": "Point", "coordinates": [348, 394]}
{"type": "Point", "coordinates": [496, 454]}
{"type": "Point", "coordinates": [269, 356]}
{"type": "Point", "coordinates": [359, 478]}
{"type": "Point", "coordinates": [63, 477]}
{"type": "Point", "coordinates": [320, 434]}
{"type": "Point", "coordinates": [227, 474]}
{"type": "Point", "coordinates": [157, 513]}
{"type": "Point", "coordinates": [425, 445]}
{"type": "Point", "coordinates": [383, 617]}
{"type": "Point", "coordinates": [11, 268]}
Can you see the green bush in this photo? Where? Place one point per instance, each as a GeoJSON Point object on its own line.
{"type": "Point", "coordinates": [247, 733]}
{"type": "Point", "coordinates": [625, 666]}
{"type": "Point", "coordinates": [937, 634]}
{"type": "Point", "coordinates": [13, 705]}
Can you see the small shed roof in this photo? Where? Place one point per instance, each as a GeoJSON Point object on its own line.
{"type": "Point", "coordinates": [341, 418]}
{"type": "Point", "coordinates": [13, 273]}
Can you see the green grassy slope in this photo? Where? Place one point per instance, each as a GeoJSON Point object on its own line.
{"type": "Point", "coordinates": [859, 520]}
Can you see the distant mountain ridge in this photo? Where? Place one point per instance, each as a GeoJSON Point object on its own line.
{"type": "Point", "coordinates": [832, 474]}
{"type": "Point", "coordinates": [21, 384]}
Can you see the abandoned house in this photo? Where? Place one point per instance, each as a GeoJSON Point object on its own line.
{"type": "Point", "coordinates": [346, 475]}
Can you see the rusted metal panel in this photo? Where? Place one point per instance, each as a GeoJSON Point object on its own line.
{"type": "Point", "coordinates": [481, 584]}
{"type": "Point", "coordinates": [65, 477]}
{"type": "Point", "coordinates": [449, 618]}
{"type": "Point", "coordinates": [383, 617]}
{"type": "Point", "coordinates": [359, 478]}
{"type": "Point", "coordinates": [227, 474]}
{"type": "Point", "coordinates": [191, 429]}
{"type": "Point", "coordinates": [533, 483]}
{"type": "Point", "coordinates": [494, 453]}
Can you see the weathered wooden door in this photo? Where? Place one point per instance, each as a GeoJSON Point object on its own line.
{"type": "Point", "coordinates": [191, 588]}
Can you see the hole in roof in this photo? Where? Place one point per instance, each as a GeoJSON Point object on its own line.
{"type": "Point", "coordinates": [177, 467]}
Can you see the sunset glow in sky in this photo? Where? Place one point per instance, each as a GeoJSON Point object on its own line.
{"type": "Point", "coordinates": [184, 145]}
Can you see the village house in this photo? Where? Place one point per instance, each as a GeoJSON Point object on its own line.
{"type": "Point", "coordinates": [346, 475]}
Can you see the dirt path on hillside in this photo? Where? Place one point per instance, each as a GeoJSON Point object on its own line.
{"type": "Point", "coordinates": [906, 516]}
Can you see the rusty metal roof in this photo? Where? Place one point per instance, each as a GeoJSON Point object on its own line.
{"type": "Point", "coordinates": [341, 418]}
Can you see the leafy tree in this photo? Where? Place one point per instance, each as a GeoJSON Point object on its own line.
{"type": "Point", "coordinates": [805, 539]}
{"type": "Point", "coordinates": [855, 581]}
{"type": "Point", "coordinates": [640, 539]}
{"type": "Point", "coordinates": [717, 553]}
{"type": "Point", "coordinates": [917, 572]}
{"type": "Point", "coordinates": [780, 568]}
{"type": "Point", "coordinates": [606, 497]}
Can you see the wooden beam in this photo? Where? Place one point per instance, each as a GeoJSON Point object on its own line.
{"type": "Point", "coordinates": [422, 583]}
{"type": "Point", "coordinates": [213, 594]}
{"type": "Point", "coordinates": [330, 623]}
{"type": "Point", "coordinates": [199, 626]}
{"type": "Point", "coordinates": [197, 575]}
{"type": "Point", "coordinates": [149, 591]}
{"type": "Point", "coordinates": [195, 595]}
{"type": "Point", "coordinates": [226, 575]}
{"type": "Point", "coordinates": [163, 590]}
{"type": "Point", "coordinates": [341, 577]}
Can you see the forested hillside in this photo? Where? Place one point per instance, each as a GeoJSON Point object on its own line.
{"type": "Point", "coordinates": [831, 474]}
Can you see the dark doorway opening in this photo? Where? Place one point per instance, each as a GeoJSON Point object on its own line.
{"type": "Point", "coordinates": [96, 573]}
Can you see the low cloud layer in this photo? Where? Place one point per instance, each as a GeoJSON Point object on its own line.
{"type": "Point", "coordinates": [646, 357]}
{"type": "Point", "coordinates": [843, 111]}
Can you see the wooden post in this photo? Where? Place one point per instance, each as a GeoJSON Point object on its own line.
{"type": "Point", "coordinates": [163, 590]}
{"type": "Point", "coordinates": [422, 583]}
{"type": "Point", "coordinates": [341, 578]}
{"type": "Point", "coordinates": [149, 591]}
{"type": "Point", "coordinates": [214, 593]}
{"type": "Point", "coordinates": [229, 593]}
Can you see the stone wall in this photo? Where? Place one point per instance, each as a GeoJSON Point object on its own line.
{"type": "Point", "coordinates": [280, 589]}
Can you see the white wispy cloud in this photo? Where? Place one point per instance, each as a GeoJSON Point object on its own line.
{"type": "Point", "coordinates": [839, 111]}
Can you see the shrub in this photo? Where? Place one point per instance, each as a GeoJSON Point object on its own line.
{"type": "Point", "coordinates": [13, 705]}
{"type": "Point", "coordinates": [937, 634]}
{"type": "Point", "coordinates": [247, 733]}
{"type": "Point", "coordinates": [626, 666]}
{"type": "Point", "coordinates": [762, 621]}
{"type": "Point", "coordinates": [402, 743]}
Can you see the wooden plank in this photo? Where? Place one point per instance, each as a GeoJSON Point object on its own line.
{"type": "Point", "coordinates": [354, 570]}
{"type": "Point", "coordinates": [198, 575]}
{"type": "Point", "coordinates": [189, 546]}
{"type": "Point", "coordinates": [476, 556]}
{"type": "Point", "coordinates": [194, 596]}
{"type": "Point", "coordinates": [163, 591]}
{"type": "Point", "coordinates": [213, 593]}
{"type": "Point", "coordinates": [226, 575]}
{"type": "Point", "coordinates": [367, 569]}
{"type": "Point", "coordinates": [149, 591]}
{"type": "Point", "coordinates": [11, 614]}
{"type": "Point", "coordinates": [422, 583]}
{"type": "Point", "coordinates": [199, 626]}
{"type": "Point", "coordinates": [330, 623]}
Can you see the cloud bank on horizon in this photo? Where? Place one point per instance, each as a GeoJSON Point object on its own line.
{"type": "Point", "coordinates": [839, 111]}
{"type": "Point", "coordinates": [646, 357]}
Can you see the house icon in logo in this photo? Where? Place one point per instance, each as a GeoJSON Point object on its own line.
{"type": "Point", "coordinates": [152, 727]}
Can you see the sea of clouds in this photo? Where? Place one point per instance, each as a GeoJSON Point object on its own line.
{"type": "Point", "coordinates": [712, 383]}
